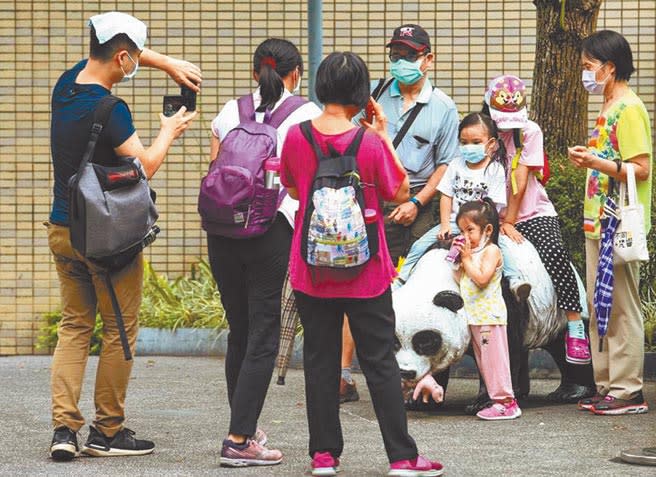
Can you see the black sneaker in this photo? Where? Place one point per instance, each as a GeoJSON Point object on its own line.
{"type": "Point", "coordinates": [64, 445]}
{"type": "Point", "coordinates": [612, 406]}
{"type": "Point", "coordinates": [123, 443]}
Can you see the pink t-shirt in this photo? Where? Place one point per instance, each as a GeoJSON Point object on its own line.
{"type": "Point", "coordinates": [535, 202]}
{"type": "Point", "coordinates": [378, 169]}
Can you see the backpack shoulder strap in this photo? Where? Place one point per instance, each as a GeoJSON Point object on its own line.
{"type": "Point", "coordinates": [283, 111]}
{"type": "Point", "coordinates": [518, 141]}
{"type": "Point", "coordinates": [246, 108]}
{"type": "Point", "coordinates": [100, 117]}
{"type": "Point", "coordinates": [306, 129]}
{"type": "Point", "coordinates": [352, 149]}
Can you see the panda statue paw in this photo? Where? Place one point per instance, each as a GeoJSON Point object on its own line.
{"type": "Point", "coordinates": [419, 405]}
{"type": "Point", "coordinates": [568, 393]}
{"type": "Point", "coordinates": [481, 402]}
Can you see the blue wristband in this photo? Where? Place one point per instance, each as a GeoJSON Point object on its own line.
{"type": "Point", "coordinates": [415, 201]}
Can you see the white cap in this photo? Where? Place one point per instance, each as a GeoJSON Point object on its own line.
{"type": "Point", "coordinates": [110, 24]}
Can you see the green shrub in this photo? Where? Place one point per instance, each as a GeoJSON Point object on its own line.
{"type": "Point", "coordinates": [186, 302]}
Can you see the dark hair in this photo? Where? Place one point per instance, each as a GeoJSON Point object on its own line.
{"type": "Point", "coordinates": [482, 213]}
{"type": "Point", "coordinates": [105, 51]}
{"type": "Point", "coordinates": [473, 119]}
{"type": "Point", "coordinates": [274, 59]}
{"type": "Point", "coordinates": [608, 45]}
{"type": "Point", "coordinates": [343, 78]}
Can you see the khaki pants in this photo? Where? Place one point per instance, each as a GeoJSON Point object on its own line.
{"type": "Point", "coordinates": [618, 369]}
{"type": "Point", "coordinates": [83, 290]}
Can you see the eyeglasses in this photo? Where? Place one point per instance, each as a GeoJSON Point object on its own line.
{"type": "Point", "coordinates": [410, 56]}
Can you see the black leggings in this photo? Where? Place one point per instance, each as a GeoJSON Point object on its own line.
{"type": "Point", "coordinates": [249, 274]}
{"type": "Point", "coordinates": [544, 234]}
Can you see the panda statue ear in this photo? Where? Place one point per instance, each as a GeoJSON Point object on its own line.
{"type": "Point", "coordinates": [449, 300]}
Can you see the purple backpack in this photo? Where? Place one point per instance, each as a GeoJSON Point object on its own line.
{"type": "Point", "coordinates": [233, 200]}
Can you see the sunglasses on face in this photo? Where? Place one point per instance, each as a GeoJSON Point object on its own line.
{"type": "Point", "coordinates": [411, 56]}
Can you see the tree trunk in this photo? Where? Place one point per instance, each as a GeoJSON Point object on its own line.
{"type": "Point", "coordinates": [560, 103]}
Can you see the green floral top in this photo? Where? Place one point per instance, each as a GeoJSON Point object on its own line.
{"type": "Point", "coordinates": [622, 133]}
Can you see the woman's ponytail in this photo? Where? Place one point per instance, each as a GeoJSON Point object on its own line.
{"type": "Point", "coordinates": [273, 60]}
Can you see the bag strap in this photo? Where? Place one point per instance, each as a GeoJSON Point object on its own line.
{"type": "Point", "coordinates": [246, 108]}
{"type": "Point", "coordinates": [282, 112]}
{"type": "Point", "coordinates": [630, 186]}
{"type": "Point", "coordinates": [406, 125]}
{"type": "Point", "coordinates": [518, 140]}
{"type": "Point", "coordinates": [381, 88]}
{"type": "Point", "coordinates": [120, 324]}
{"type": "Point", "coordinates": [306, 129]}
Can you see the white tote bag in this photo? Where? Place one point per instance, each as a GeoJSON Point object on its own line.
{"type": "Point", "coordinates": [630, 240]}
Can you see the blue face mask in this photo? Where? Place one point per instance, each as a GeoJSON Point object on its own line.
{"type": "Point", "coordinates": [473, 153]}
{"type": "Point", "coordinates": [406, 72]}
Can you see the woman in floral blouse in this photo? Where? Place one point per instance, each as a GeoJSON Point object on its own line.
{"type": "Point", "coordinates": [622, 135]}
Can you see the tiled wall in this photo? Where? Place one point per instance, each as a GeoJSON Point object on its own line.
{"type": "Point", "coordinates": [473, 40]}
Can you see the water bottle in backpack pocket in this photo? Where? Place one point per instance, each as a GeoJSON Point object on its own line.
{"type": "Point", "coordinates": [336, 240]}
{"type": "Point", "coordinates": [234, 200]}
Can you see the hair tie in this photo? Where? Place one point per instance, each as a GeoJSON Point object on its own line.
{"type": "Point", "coordinates": [268, 60]}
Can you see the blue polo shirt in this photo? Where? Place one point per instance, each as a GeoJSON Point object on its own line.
{"type": "Point", "coordinates": [73, 106]}
{"type": "Point", "coordinates": [432, 139]}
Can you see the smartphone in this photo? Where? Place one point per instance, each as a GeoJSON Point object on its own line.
{"type": "Point", "coordinates": [171, 104]}
{"type": "Point", "coordinates": [369, 112]}
{"type": "Point", "coordinates": [189, 96]}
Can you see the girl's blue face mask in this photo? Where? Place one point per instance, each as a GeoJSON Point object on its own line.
{"type": "Point", "coordinates": [473, 153]}
{"type": "Point", "coordinates": [406, 72]}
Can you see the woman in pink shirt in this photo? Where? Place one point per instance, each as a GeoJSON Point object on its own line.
{"type": "Point", "coordinates": [342, 85]}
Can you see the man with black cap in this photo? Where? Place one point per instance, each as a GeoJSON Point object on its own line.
{"type": "Point", "coordinates": [117, 49]}
{"type": "Point", "coordinates": [423, 125]}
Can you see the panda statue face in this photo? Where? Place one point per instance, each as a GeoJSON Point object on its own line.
{"type": "Point", "coordinates": [431, 328]}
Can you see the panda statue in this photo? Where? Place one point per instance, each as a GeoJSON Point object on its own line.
{"type": "Point", "coordinates": [432, 332]}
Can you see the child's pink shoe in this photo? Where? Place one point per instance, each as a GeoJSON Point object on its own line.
{"type": "Point", "coordinates": [323, 463]}
{"type": "Point", "coordinates": [500, 411]}
{"type": "Point", "coordinates": [419, 467]}
{"type": "Point", "coordinates": [577, 350]}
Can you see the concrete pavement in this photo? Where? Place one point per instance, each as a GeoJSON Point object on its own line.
{"type": "Point", "coordinates": [181, 404]}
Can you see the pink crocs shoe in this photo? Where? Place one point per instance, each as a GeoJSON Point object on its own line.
{"type": "Point", "coordinates": [419, 467]}
{"type": "Point", "coordinates": [500, 411]}
{"type": "Point", "coordinates": [323, 463]}
{"type": "Point", "coordinates": [577, 350]}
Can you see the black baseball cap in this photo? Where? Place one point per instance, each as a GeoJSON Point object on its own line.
{"type": "Point", "coordinates": [411, 35]}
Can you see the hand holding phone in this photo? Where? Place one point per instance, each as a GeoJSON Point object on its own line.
{"type": "Point", "coordinates": [172, 103]}
{"type": "Point", "coordinates": [369, 112]}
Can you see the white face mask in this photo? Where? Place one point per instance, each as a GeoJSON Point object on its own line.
{"type": "Point", "coordinates": [297, 89]}
{"type": "Point", "coordinates": [590, 83]}
{"type": "Point", "coordinates": [127, 77]}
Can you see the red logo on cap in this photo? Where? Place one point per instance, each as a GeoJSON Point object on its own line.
{"type": "Point", "coordinates": [406, 31]}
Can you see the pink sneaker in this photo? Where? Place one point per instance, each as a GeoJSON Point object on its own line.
{"type": "Point", "coordinates": [577, 350]}
{"type": "Point", "coordinates": [419, 467]}
{"type": "Point", "coordinates": [500, 411]}
{"type": "Point", "coordinates": [260, 437]}
{"type": "Point", "coordinates": [247, 454]}
{"type": "Point", "coordinates": [323, 463]}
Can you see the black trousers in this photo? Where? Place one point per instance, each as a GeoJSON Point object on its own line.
{"type": "Point", "coordinates": [249, 274]}
{"type": "Point", "coordinates": [372, 326]}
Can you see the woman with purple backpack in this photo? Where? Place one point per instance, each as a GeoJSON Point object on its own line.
{"type": "Point", "coordinates": [249, 267]}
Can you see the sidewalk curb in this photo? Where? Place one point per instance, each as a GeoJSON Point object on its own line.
{"type": "Point", "coordinates": [208, 342]}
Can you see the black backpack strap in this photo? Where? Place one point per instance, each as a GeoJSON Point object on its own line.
{"type": "Point", "coordinates": [352, 150]}
{"type": "Point", "coordinates": [406, 125]}
{"type": "Point", "coordinates": [381, 88]}
{"type": "Point", "coordinates": [282, 112]}
{"type": "Point", "coordinates": [120, 324]}
{"type": "Point", "coordinates": [306, 129]}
